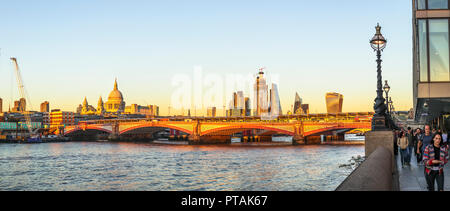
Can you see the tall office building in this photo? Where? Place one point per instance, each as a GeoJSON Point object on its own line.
{"type": "Point", "coordinates": [19, 105]}
{"type": "Point", "coordinates": [1, 105]}
{"type": "Point", "coordinates": [299, 107]}
{"type": "Point", "coordinates": [431, 69]}
{"type": "Point", "coordinates": [237, 105]}
{"type": "Point", "coordinates": [248, 107]}
{"type": "Point", "coordinates": [261, 105]}
{"type": "Point", "coordinates": [334, 102]}
{"type": "Point", "coordinates": [23, 104]}
{"type": "Point", "coordinates": [297, 104]}
{"type": "Point", "coordinates": [211, 112]}
{"type": "Point", "coordinates": [240, 100]}
{"type": "Point", "coordinates": [45, 106]}
{"type": "Point", "coordinates": [305, 109]}
{"type": "Point", "coordinates": [275, 104]}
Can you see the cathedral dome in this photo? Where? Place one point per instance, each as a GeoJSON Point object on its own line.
{"type": "Point", "coordinates": [115, 103]}
{"type": "Point", "coordinates": [115, 95]}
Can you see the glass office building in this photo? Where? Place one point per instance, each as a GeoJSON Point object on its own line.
{"type": "Point", "coordinates": [431, 69]}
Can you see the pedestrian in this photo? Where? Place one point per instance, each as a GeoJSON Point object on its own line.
{"type": "Point", "coordinates": [402, 142]}
{"type": "Point", "coordinates": [416, 131]}
{"type": "Point", "coordinates": [417, 148]}
{"type": "Point", "coordinates": [426, 139]}
{"type": "Point", "coordinates": [435, 156]}
{"type": "Point", "coordinates": [395, 142]}
{"type": "Point", "coordinates": [410, 137]}
{"type": "Point", "coordinates": [445, 137]}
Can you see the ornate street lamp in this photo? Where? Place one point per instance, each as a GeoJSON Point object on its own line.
{"type": "Point", "coordinates": [386, 89]}
{"type": "Point", "coordinates": [379, 121]}
{"type": "Point", "coordinates": [390, 103]}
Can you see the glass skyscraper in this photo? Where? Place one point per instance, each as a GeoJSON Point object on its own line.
{"type": "Point", "coordinates": [334, 102]}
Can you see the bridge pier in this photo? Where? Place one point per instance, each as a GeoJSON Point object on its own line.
{"type": "Point", "coordinates": [113, 137]}
{"type": "Point", "coordinates": [265, 138]}
{"type": "Point", "coordinates": [194, 139]}
{"type": "Point", "coordinates": [199, 140]}
{"type": "Point", "coordinates": [298, 140]}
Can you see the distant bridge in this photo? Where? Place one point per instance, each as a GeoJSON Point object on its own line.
{"type": "Point", "coordinates": [206, 130]}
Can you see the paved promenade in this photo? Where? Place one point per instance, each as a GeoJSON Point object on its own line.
{"type": "Point", "coordinates": [412, 177]}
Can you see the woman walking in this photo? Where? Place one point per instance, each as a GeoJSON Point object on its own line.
{"type": "Point", "coordinates": [435, 156]}
{"type": "Point", "coordinates": [402, 142]}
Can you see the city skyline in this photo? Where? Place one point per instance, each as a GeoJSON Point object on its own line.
{"type": "Point", "coordinates": [82, 60]}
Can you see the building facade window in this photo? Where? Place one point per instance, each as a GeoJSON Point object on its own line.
{"type": "Point", "coordinates": [439, 50]}
{"type": "Point", "coordinates": [423, 50]}
{"type": "Point", "coordinates": [433, 46]}
{"type": "Point", "coordinates": [432, 4]}
{"type": "Point", "coordinates": [421, 4]}
{"type": "Point", "coordinates": [437, 4]}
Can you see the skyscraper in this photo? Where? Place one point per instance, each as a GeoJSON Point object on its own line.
{"type": "Point", "coordinates": [22, 105]}
{"type": "Point", "coordinates": [334, 102]}
{"type": "Point", "coordinates": [240, 100]}
{"type": "Point", "coordinates": [248, 108]}
{"type": "Point", "coordinates": [19, 105]}
{"type": "Point", "coordinates": [237, 104]}
{"type": "Point", "coordinates": [211, 112]}
{"type": "Point", "coordinates": [275, 105]}
{"type": "Point", "coordinates": [305, 109]}
{"type": "Point", "coordinates": [1, 105]}
{"type": "Point", "coordinates": [297, 104]}
{"type": "Point", "coordinates": [260, 88]}
{"type": "Point", "coordinates": [45, 107]}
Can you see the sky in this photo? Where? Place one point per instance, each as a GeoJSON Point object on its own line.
{"type": "Point", "coordinates": [68, 50]}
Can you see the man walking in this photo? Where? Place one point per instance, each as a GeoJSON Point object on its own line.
{"type": "Point", "coordinates": [410, 137]}
{"type": "Point", "coordinates": [425, 139]}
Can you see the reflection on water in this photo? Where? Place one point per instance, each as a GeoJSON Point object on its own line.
{"type": "Point", "coordinates": [137, 166]}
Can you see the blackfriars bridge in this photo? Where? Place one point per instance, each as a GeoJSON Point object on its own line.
{"type": "Point", "coordinates": [220, 130]}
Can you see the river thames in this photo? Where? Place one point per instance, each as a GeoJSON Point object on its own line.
{"type": "Point", "coordinates": [79, 166]}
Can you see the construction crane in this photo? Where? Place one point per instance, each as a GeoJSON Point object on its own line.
{"type": "Point", "coordinates": [261, 70]}
{"type": "Point", "coordinates": [33, 136]}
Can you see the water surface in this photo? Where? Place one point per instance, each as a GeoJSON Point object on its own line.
{"type": "Point", "coordinates": [144, 166]}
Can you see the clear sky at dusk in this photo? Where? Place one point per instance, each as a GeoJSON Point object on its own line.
{"type": "Point", "coordinates": [71, 49]}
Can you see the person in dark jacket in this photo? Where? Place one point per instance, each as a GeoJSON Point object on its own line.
{"type": "Point", "coordinates": [395, 142]}
{"type": "Point", "coordinates": [416, 140]}
{"type": "Point", "coordinates": [410, 136]}
{"type": "Point", "coordinates": [435, 156]}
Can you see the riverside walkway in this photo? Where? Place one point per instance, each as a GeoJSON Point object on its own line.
{"type": "Point", "coordinates": [412, 177]}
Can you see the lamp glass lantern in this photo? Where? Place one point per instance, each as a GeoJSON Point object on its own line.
{"type": "Point", "coordinates": [386, 87]}
{"type": "Point", "coordinates": [378, 42]}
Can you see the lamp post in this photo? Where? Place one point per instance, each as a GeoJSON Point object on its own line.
{"type": "Point", "coordinates": [379, 121]}
{"type": "Point", "coordinates": [390, 103]}
{"type": "Point", "coordinates": [386, 89]}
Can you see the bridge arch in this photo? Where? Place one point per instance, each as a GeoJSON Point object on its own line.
{"type": "Point", "coordinates": [229, 130]}
{"type": "Point", "coordinates": [325, 130]}
{"type": "Point", "coordinates": [155, 126]}
{"type": "Point", "coordinates": [77, 129]}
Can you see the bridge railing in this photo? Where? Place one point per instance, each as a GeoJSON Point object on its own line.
{"type": "Point", "coordinates": [287, 118]}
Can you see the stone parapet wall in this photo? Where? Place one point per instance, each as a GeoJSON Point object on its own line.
{"type": "Point", "coordinates": [374, 174]}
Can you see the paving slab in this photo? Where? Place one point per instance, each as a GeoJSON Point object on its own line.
{"type": "Point", "coordinates": [412, 178]}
